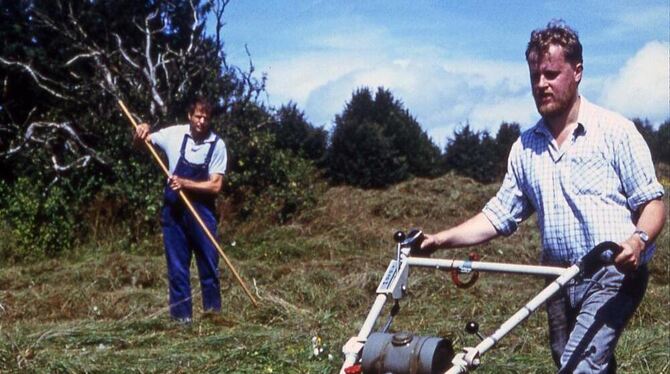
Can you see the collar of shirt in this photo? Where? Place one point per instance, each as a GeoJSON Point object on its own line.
{"type": "Point", "coordinates": [210, 138]}
{"type": "Point", "coordinates": [583, 120]}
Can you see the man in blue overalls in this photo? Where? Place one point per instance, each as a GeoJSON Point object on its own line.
{"type": "Point", "coordinates": [197, 162]}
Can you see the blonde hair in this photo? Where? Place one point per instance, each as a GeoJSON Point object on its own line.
{"type": "Point", "coordinates": [557, 32]}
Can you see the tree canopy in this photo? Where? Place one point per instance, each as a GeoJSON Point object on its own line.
{"type": "Point", "coordinates": [293, 132]}
{"type": "Point", "coordinates": [376, 142]}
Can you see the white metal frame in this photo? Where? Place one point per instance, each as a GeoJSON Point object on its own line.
{"type": "Point", "coordinates": [394, 285]}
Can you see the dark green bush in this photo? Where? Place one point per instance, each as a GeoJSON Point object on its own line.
{"type": "Point", "coordinates": [376, 142]}
{"type": "Point", "coordinates": [663, 140]}
{"type": "Point", "coordinates": [657, 140]}
{"type": "Point", "coordinates": [265, 180]}
{"type": "Point", "coordinates": [361, 155]}
{"type": "Point", "coordinates": [41, 221]}
{"type": "Point", "coordinates": [293, 132]}
{"type": "Point", "coordinates": [472, 154]}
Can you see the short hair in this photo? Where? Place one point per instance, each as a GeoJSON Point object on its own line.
{"type": "Point", "coordinates": [202, 102]}
{"type": "Point", "coordinates": [557, 32]}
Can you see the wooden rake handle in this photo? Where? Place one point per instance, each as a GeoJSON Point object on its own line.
{"type": "Point", "coordinates": [192, 210]}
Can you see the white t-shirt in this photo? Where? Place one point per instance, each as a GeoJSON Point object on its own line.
{"type": "Point", "coordinates": [169, 139]}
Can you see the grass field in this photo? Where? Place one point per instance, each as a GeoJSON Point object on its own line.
{"type": "Point", "coordinates": [103, 308]}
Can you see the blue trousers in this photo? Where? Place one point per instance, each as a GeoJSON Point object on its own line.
{"type": "Point", "coordinates": [183, 236]}
{"type": "Point", "coordinates": [587, 317]}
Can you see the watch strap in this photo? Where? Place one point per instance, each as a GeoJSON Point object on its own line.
{"type": "Point", "coordinates": [643, 236]}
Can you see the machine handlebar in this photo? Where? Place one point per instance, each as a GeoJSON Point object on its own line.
{"type": "Point", "coordinates": [601, 255]}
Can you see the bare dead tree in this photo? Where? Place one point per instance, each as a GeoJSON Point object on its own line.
{"type": "Point", "coordinates": [255, 89]}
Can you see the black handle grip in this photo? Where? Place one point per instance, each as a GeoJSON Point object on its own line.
{"type": "Point", "coordinates": [601, 255]}
{"type": "Point", "coordinates": [414, 239]}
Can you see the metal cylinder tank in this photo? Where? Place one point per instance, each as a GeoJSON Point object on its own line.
{"type": "Point", "coordinates": [404, 353]}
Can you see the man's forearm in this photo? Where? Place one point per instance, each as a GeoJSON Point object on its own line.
{"type": "Point", "coordinates": [212, 185]}
{"type": "Point", "coordinates": [475, 230]}
{"type": "Point", "coordinates": [200, 186]}
{"type": "Point", "coordinates": [651, 221]}
{"type": "Point", "coordinates": [652, 218]}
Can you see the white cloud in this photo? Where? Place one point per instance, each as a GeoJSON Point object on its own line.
{"type": "Point", "coordinates": [520, 109]}
{"type": "Point", "coordinates": [295, 78]}
{"type": "Point", "coordinates": [442, 92]}
{"type": "Point", "coordinates": [635, 18]}
{"type": "Point", "coordinates": [640, 89]}
{"type": "Point", "coordinates": [330, 57]}
{"type": "Point", "coordinates": [488, 73]}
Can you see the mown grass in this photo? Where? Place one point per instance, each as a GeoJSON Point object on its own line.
{"type": "Point", "coordinates": [104, 309]}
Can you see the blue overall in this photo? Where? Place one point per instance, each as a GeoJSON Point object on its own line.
{"type": "Point", "coordinates": [183, 236]}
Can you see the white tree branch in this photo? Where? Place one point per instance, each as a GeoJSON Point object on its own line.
{"type": "Point", "coordinates": [59, 139]}
{"type": "Point", "coordinates": [194, 26]}
{"type": "Point", "coordinates": [150, 68]}
{"type": "Point", "coordinates": [82, 55]}
{"type": "Point", "coordinates": [124, 53]}
{"type": "Point", "coordinates": [39, 79]}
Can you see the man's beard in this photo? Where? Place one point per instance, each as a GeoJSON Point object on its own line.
{"type": "Point", "coordinates": [558, 106]}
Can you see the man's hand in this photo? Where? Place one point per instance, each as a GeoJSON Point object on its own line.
{"type": "Point", "coordinates": [429, 244]}
{"type": "Point", "coordinates": [424, 249]}
{"type": "Point", "coordinates": [176, 183]}
{"type": "Point", "coordinates": [142, 132]}
{"type": "Point", "coordinates": [651, 220]}
{"type": "Point", "coordinates": [628, 259]}
{"type": "Point", "coordinates": [212, 185]}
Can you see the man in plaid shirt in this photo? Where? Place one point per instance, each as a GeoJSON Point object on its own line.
{"type": "Point", "coordinates": [588, 175]}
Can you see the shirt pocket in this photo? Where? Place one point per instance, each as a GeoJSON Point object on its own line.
{"type": "Point", "coordinates": [589, 174]}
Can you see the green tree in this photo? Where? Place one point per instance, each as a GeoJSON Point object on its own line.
{"type": "Point", "coordinates": [361, 155]}
{"type": "Point", "coordinates": [507, 134]}
{"type": "Point", "coordinates": [423, 156]}
{"type": "Point", "coordinates": [663, 141]}
{"type": "Point", "coordinates": [656, 139]}
{"type": "Point", "coordinates": [472, 154]}
{"type": "Point", "coordinates": [295, 133]}
{"type": "Point", "coordinates": [264, 179]}
{"type": "Point", "coordinates": [376, 142]}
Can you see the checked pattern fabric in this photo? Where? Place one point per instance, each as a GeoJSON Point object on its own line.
{"type": "Point", "coordinates": [585, 192]}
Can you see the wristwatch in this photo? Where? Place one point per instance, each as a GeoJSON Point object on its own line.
{"type": "Point", "coordinates": [643, 236]}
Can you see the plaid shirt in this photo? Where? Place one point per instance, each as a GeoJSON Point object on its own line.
{"type": "Point", "coordinates": [585, 192]}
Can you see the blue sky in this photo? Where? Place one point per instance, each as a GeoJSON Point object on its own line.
{"type": "Point", "coordinates": [449, 62]}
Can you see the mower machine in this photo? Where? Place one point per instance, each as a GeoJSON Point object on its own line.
{"type": "Point", "coordinates": [383, 352]}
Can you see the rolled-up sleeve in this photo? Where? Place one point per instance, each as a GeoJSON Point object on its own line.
{"type": "Point", "coordinates": [509, 206]}
{"type": "Point", "coordinates": [636, 169]}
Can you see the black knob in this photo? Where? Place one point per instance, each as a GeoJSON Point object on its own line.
{"type": "Point", "coordinates": [399, 236]}
{"type": "Point", "coordinates": [401, 338]}
{"type": "Point", "coordinates": [472, 327]}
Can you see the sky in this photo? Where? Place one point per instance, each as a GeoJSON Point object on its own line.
{"type": "Point", "coordinates": [450, 62]}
